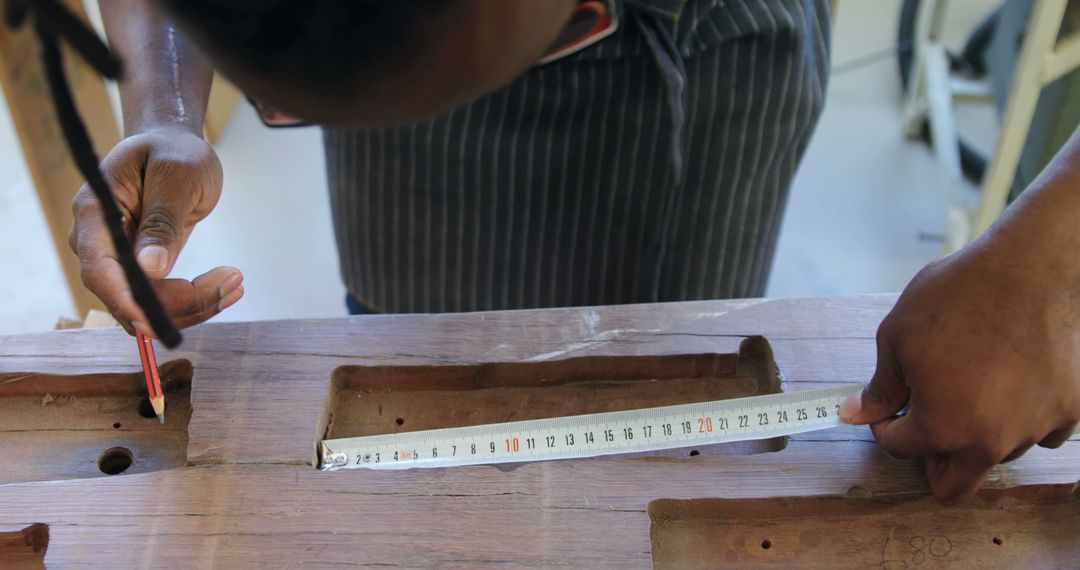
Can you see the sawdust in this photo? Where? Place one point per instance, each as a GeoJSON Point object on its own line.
{"type": "Point", "coordinates": [48, 399]}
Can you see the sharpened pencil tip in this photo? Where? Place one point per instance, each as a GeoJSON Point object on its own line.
{"type": "Point", "coordinates": [161, 417]}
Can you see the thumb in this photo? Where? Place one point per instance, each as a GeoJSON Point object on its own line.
{"type": "Point", "coordinates": [882, 398]}
{"type": "Point", "coordinates": [159, 237]}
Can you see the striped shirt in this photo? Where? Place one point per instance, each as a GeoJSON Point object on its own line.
{"type": "Point", "coordinates": [652, 166]}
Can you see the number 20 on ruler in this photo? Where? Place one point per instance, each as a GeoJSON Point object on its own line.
{"type": "Point", "coordinates": [700, 425]}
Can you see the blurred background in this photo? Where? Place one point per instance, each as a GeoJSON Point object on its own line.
{"type": "Point", "coordinates": [869, 206]}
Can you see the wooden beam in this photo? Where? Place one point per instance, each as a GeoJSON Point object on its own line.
{"type": "Point", "coordinates": [1065, 58]}
{"type": "Point", "coordinates": [224, 98]}
{"type": "Point", "coordinates": [1039, 41]}
{"type": "Point", "coordinates": [1025, 526]}
{"type": "Point", "coordinates": [47, 158]}
{"type": "Point", "coordinates": [247, 496]}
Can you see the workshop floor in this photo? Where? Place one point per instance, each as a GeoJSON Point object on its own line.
{"type": "Point", "coordinates": [863, 204]}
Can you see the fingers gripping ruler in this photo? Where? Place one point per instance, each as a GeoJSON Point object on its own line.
{"type": "Point", "coordinates": [593, 435]}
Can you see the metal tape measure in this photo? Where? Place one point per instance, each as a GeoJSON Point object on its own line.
{"type": "Point", "coordinates": [592, 435]}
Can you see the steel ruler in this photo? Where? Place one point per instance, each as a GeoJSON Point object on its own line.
{"type": "Point", "coordinates": [592, 435]}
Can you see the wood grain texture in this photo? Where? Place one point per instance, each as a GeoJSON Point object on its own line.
{"type": "Point", "coordinates": [59, 427]}
{"type": "Point", "coordinates": [1026, 526]}
{"type": "Point", "coordinates": [249, 497]}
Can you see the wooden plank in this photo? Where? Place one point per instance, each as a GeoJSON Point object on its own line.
{"type": "Point", "coordinates": [64, 427]}
{"type": "Point", "coordinates": [1036, 527]}
{"type": "Point", "coordinates": [224, 98]}
{"type": "Point", "coordinates": [25, 549]}
{"type": "Point", "coordinates": [248, 496]}
{"type": "Point", "coordinates": [47, 158]}
{"type": "Point", "coordinates": [1039, 41]}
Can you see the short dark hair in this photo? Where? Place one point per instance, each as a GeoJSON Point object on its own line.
{"type": "Point", "coordinates": [324, 41]}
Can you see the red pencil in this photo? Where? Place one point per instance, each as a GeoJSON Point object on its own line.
{"type": "Point", "coordinates": [150, 370]}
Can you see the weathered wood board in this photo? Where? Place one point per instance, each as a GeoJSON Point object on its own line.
{"type": "Point", "coordinates": [48, 160]}
{"type": "Point", "coordinates": [63, 427]}
{"type": "Point", "coordinates": [1025, 526]}
{"type": "Point", "coordinates": [248, 496]}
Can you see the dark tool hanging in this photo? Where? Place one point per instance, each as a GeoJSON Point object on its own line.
{"type": "Point", "coordinates": [52, 22]}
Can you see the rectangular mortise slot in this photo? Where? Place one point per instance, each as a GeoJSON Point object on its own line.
{"type": "Point", "coordinates": [56, 427]}
{"type": "Point", "coordinates": [1033, 526]}
{"type": "Point", "coordinates": [374, 400]}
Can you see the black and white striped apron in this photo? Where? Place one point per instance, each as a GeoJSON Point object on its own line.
{"type": "Point", "coordinates": [653, 166]}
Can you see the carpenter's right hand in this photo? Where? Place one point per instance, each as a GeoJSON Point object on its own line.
{"type": "Point", "coordinates": [165, 181]}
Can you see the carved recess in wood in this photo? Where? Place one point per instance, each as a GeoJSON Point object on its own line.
{"type": "Point", "coordinates": [24, 549]}
{"type": "Point", "coordinates": [73, 427]}
{"type": "Point", "coordinates": [1034, 527]}
{"type": "Point", "coordinates": [371, 400]}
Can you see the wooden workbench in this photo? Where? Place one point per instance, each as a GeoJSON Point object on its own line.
{"type": "Point", "coordinates": [247, 496]}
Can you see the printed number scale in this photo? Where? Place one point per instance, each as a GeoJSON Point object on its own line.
{"type": "Point", "coordinates": [592, 435]}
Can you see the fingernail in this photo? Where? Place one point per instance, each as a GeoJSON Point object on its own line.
{"type": "Point", "coordinates": [231, 299]}
{"type": "Point", "coordinates": [230, 284]}
{"type": "Point", "coordinates": [153, 258]}
{"type": "Point", "coordinates": [850, 408]}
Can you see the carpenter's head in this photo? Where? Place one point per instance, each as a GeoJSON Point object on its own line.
{"type": "Point", "coordinates": [370, 62]}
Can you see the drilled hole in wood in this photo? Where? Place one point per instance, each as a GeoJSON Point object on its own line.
{"type": "Point", "coordinates": [766, 544]}
{"type": "Point", "coordinates": [87, 415]}
{"type": "Point", "coordinates": [859, 492]}
{"type": "Point", "coordinates": [998, 541]}
{"type": "Point", "coordinates": [694, 453]}
{"type": "Point", "coordinates": [400, 421]}
{"type": "Point", "coordinates": [146, 409]}
{"type": "Point", "coordinates": [115, 460]}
